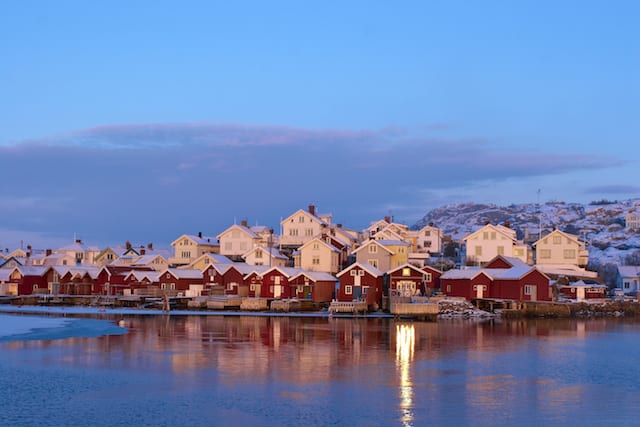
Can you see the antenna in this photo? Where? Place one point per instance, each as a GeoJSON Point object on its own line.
{"type": "Point", "coordinates": [539, 217]}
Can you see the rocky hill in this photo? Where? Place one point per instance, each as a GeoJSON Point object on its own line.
{"type": "Point", "coordinates": [600, 223]}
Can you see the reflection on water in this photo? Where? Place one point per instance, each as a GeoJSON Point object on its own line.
{"type": "Point", "coordinates": [318, 371]}
{"type": "Point", "coordinates": [405, 346]}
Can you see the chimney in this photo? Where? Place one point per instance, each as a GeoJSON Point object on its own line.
{"type": "Point", "coordinates": [150, 246]}
{"type": "Point", "coordinates": [48, 252]}
{"type": "Point", "coordinates": [78, 241]}
{"type": "Point", "coordinates": [339, 225]}
{"type": "Point", "coordinates": [200, 234]}
{"type": "Point", "coordinates": [312, 209]}
{"type": "Point", "coordinates": [430, 224]}
{"type": "Point", "coordinates": [143, 251]}
{"type": "Point", "coordinates": [127, 244]}
{"type": "Point", "coordinates": [387, 219]}
{"type": "Point", "coordinates": [243, 222]}
{"type": "Point", "coordinates": [507, 224]}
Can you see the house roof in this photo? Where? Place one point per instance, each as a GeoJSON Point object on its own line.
{"type": "Point", "coordinates": [147, 259]}
{"type": "Point", "coordinates": [316, 276]}
{"type": "Point", "coordinates": [505, 231]}
{"type": "Point", "coordinates": [78, 246]}
{"type": "Point", "coordinates": [364, 266]}
{"type": "Point", "coordinates": [571, 237]}
{"type": "Point", "coordinates": [629, 270]}
{"type": "Point", "coordinates": [375, 242]}
{"type": "Point", "coordinates": [513, 273]}
{"type": "Point", "coordinates": [306, 213]}
{"type": "Point", "coordinates": [272, 251]}
{"type": "Point", "coordinates": [242, 228]}
{"type": "Point", "coordinates": [319, 240]}
{"type": "Point", "coordinates": [407, 265]}
{"type": "Point", "coordinates": [181, 273]}
{"type": "Point", "coordinates": [199, 240]}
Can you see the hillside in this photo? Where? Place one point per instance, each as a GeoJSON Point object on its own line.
{"type": "Point", "coordinates": [600, 224]}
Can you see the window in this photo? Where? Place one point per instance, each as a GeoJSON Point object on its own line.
{"type": "Point", "coordinates": [360, 273]}
{"type": "Point", "coordinates": [485, 235]}
{"type": "Point", "coordinates": [186, 254]}
{"type": "Point", "coordinates": [427, 277]}
{"type": "Point", "coordinates": [400, 250]}
{"type": "Point", "coordinates": [500, 250]}
{"type": "Point", "coordinates": [315, 260]}
{"type": "Point", "coordinates": [258, 253]}
{"type": "Point", "coordinates": [316, 245]}
{"type": "Point", "coordinates": [168, 286]}
{"type": "Point", "coordinates": [364, 290]}
{"type": "Point", "coordinates": [427, 233]}
{"type": "Point", "coordinates": [557, 240]}
{"type": "Point", "coordinates": [373, 248]}
{"type": "Point", "coordinates": [478, 250]}
{"type": "Point", "coordinates": [518, 252]}
{"type": "Point", "coordinates": [308, 232]}
{"type": "Point", "coordinates": [293, 232]}
{"type": "Point", "coordinates": [373, 263]}
{"type": "Point", "coordinates": [627, 285]}
{"type": "Point", "coordinates": [545, 253]}
{"type": "Point", "coordinates": [276, 280]}
{"type": "Point", "coordinates": [301, 219]}
{"type": "Point", "coordinates": [427, 244]}
{"type": "Point", "coordinates": [529, 289]}
{"type": "Point", "coordinates": [353, 272]}
{"type": "Point", "coordinates": [569, 253]}
{"type": "Point", "coordinates": [406, 272]}
{"type": "Point", "coordinates": [493, 235]}
{"type": "Point", "coordinates": [252, 287]}
{"type": "Point", "coordinates": [348, 290]}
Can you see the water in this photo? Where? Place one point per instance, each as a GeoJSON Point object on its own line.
{"type": "Point", "coordinates": [260, 371]}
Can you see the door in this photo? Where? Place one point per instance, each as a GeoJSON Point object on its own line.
{"type": "Point", "coordinates": [277, 291]}
{"type": "Point", "coordinates": [480, 291]}
{"type": "Point", "coordinates": [357, 292]}
{"type": "Point", "coordinates": [534, 293]}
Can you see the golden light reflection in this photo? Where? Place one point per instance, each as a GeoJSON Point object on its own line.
{"type": "Point", "coordinates": [405, 347]}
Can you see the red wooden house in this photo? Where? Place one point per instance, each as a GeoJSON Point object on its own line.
{"type": "Point", "coordinates": [24, 280]}
{"type": "Point", "coordinates": [360, 282]}
{"type": "Point", "coordinates": [501, 278]}
{"type": "Point", "coordinates": [136, 280]}
{"type": "Point", "coordinates": [187, 282]}
{"type": "Point", "coordinates": [315, 285]}
{"type": "Point", "coordinates": [431, 279]}
{"type": "Point", "coordinates": [77, 280]}
{"type": "Point", "coordinates": [276, 285]}
{"type": "Point", "coordinates": [111, 279]}
{"type": "Point", "coordinates": [583, 290]}
{"type": "Point", "coordinates": [406, 280]}
{"type": "Point", "coordinates": [254, 281]}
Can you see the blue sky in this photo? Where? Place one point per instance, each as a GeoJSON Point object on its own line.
{"type": "Point", "coordinates": [144, 120]}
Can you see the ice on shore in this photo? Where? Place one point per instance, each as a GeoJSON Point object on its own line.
{"type": "Point", "coordinates": [20, 327]}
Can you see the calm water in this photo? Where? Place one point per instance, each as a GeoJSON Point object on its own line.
{"type": "Point", "coordinates": [259, 371]}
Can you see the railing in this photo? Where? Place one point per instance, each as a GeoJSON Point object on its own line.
{"type": "Point", "coordinates": [348, 307]}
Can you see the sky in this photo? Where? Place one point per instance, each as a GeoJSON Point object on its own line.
{"type": "Point", "coordinates": [146, 120]}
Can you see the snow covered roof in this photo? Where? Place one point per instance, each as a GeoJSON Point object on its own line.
{"type": "Point", "coordinates": [629, 270]}
{"type": "Point", "coordinates": [199, 240]}
{"type": "Point", "coordinates": [316, 276]}
{"type": "Point", "coordinates": [78, 246]}
{"type": "Point", "coordinates": [364, 266]}
{"type": "Point", "coordinates": [185, 273]}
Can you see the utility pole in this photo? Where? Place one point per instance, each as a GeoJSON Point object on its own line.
{"type": "Point", "coordinates": [539, 217]}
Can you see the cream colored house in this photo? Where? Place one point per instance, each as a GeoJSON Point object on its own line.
{"type": "Point", "coordinates": [262, 255]}
{"type": "Point", "coordinates": [82, 254]}
{"type": "Point", "coordinates": [302, 226]}
{"type": "Point", "coordinates": [187, 248]}
{"type": "Point", "coordinates": [632, 221]}
{"type": "Point", "coordinates": [383, 254]}
{"type": "Point", "coordinates": [319, 255]}
{"type": "Point", "coordinates": [393, 230]}
{"type": "Point", "coordinates": [484, 244]}
{"type": "Point", "coordinates": [562, 250]}
{"type": "Point", "coordinates": [428, 239]}
{"type": "Point", "coordinates": [238, 239]}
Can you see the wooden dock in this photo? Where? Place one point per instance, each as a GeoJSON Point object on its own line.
{"type": "Point", "coordinates": [419, 308]}
{"type": "Point", "coordinates": [352, 307]}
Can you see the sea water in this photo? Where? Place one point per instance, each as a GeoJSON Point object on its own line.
{"type": "Point", "coordinates": [275, 371]}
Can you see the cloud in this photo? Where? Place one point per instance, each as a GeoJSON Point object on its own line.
{"type": "Point", "coordinates": [151, 182]}
{"type": "Point", "coordinates": [613, 189]}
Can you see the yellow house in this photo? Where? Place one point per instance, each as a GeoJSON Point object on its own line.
{"type": "Point", "coordinates": [187, 248]}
